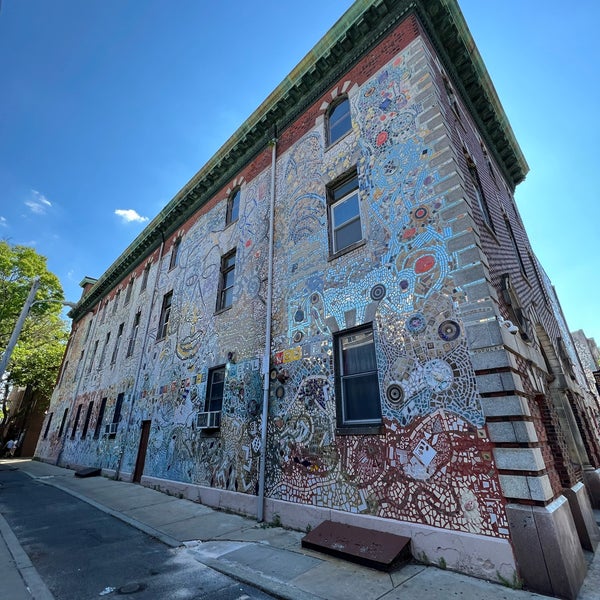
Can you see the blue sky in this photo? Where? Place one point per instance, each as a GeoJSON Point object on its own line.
{"type": "Point", "coordinates": [108, 107]}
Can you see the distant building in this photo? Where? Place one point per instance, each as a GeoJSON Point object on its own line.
{"type": "Point", "coordinates": [352, 260]}
{"type": "Point", "coordinates": [589, 355]}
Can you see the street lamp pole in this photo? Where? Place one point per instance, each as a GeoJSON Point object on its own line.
{"type": "Point", "coordinates": [19, 325]}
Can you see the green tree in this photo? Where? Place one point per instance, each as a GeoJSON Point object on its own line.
{"type": "Point", "coordinates": [36, 358]}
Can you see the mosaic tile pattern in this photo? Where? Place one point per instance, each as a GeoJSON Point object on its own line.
{"type": "Point", "coordinates": [433, 463]}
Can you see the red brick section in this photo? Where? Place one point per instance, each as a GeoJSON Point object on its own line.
{"type": "Point", "coordinates": [394, 42]}
{"type": "Point", "coordinates": [407, 31]}
{"type": "Point", "coordinates": [590, 441]}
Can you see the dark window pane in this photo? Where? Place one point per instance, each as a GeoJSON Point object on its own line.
{"type": "Point", "coordinates": [347, 235]}
{"type": "Point", "coordinates": [345, 210]}
{"type": "Point", "coordinates": [361, 398]}
{"type": "Point", "coordinates": [339, 121]}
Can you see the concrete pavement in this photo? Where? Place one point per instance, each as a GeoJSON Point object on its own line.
{"type": "Point", "coordinates": [269, 558]}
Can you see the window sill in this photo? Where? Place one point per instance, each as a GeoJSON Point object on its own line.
{"type": "Point", "coordinates": [360, 430]}
{"type": "Point", "coordinates": [220, 311]}
{"type": "Point", "coordinates": [347, 249]}
{"type": "Point", "coordinates": [228, 225]}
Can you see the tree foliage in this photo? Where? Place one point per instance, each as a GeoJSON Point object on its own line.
{"type": "Point", "coordinates": [18, 266]}
{"type": "Point", "coordinates": [37, 356]}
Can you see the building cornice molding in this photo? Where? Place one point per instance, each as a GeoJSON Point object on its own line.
{"type": "Point", "coordinates": [352, 36]}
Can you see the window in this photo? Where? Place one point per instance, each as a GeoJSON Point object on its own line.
{"type": "Point", "coordinates": [86, 423]}
{"type": "Point", "coordinates": [48, 425]}
{"type": "Point", "coordinates": [165, 314]}
{"type": "Point", "coordinates": [174, 253]}
{"type": "Point", "coordinates": [118, 407]}
{"type": "Point", "coordinates": [129, 291]}
{"type": "Point", "coordinates": [79, 366]}
{"type": "Point", "coordinates": [513, 241]}
{"type": "Point", "coordinates": [76, 422]}
{"type": "Point", "coordinates": [87, 331]}
{"type": "Point", "coordinates": [103, 353]}
{"type": "Point", "coordinates": [145, 278]}
{"type": "Point", "coordinates": [339, 121]}
{"type": "Point", "coordinates": [214, 389]}
{"type": "Point", "coordinates": [113, 358]}
{"type": "Point", "coordinates": [225, 296]}
{"type": "Point", "coordinates": [357, 386]}
{"type": "Point", "coordinates": [233, 206]}
{"type": "Point", "coordinates": [116, 304]}
{"type": "Point", "coordinates": [344, 214]}
{"type": "Point", "coordinates": [63, 422]}
{"type": "Point", "coordinates": [65, 367]}
{"type": "Point", "coordinates": [134, 332]}
{"type": "Point", "coordinates": [93, 356]}
{"type": "Point", "coordinates": [100, 418]}
{"type": "Point", "coordinates": [104, 312]}
{"type": "Point", "coordinates": [479, 195]}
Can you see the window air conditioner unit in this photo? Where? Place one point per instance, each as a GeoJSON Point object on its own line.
{"type": "Point", "coordinates": [209, 420]}
{"type": "Point", "coordinates": [111, 429]}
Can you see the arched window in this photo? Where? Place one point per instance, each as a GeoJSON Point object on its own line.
{"type": "Point", "coordinates": [339, 121]}
{"type": "Point", "coordinates": [233, 206]}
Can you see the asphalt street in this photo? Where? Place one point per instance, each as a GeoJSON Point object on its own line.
{"type": "Point", "coordinates": [82, 553]}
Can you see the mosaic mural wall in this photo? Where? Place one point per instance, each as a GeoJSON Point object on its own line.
{"type": "Point", "coordinates": [433, 464]}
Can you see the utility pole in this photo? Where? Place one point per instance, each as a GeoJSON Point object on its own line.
{"type": "Point", "coordinates": [19, 325]}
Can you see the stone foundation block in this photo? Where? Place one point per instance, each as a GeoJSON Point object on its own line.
{"type": "Point", "coordinates": [581, 509]}
{"type": "Point", "coordinates": [591, 478]}
{"type": "Point", "coordinates": [549, 556]}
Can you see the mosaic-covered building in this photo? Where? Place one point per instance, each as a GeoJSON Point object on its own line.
{"type": "Point", "coordinates": [352, 266]}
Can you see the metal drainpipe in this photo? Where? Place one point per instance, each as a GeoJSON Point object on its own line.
{"type": "Point", "coordinates": [73, 402]}
{"type": "Point", "coordinates": [139, 369]}
{"type": "Point", "coordinates": [267, 355]}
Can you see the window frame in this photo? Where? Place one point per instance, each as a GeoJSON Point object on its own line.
{"type": "Point", "coordinates": [129, 291]}
{"type": "Point", "coordinates": [233, 206]}
{"type": "Point", "coordinates": [100, 418]}
{"type": "Point", "coordinates": [76, 421]}
{"type": "Point", "coordinates": [337, 194]}
{"type": "Point", "coordinates": [116, 302]}
{"type": "Point", "coordinates": [355, 426]}
{"type": "Point", "coordinates": [115, 353]}
{"type": "Point", "coordinates": [484, 206]}
{"type": "Point", "coordinates": [145, 275]}
{"type": "Point", "coordinates": [104, 349]}
{"type": "Point", "coordinates": [134, 333]}
{"type": "Point", "coordinates": [165, 316]}
{"type": "Point", "coordinates": [208, 406]}
{"type": "Point", "coordinates": [93, 358]}
{"type": "Point", "coordinates": [330, 124]}
{"type": "Point", "coordinates": [174, 258]}
{"type": "Point", "coordinates": [63, 422]}
{"type": "Point", "coordinates": [86, 423]}
{"type": "Point", "coordinates": [223, 289]}
{"type": "Point", "coordinates": [47, 428]}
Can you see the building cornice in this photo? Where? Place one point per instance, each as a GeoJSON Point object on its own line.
{"type": "Point", "coordinates": [362, 27]}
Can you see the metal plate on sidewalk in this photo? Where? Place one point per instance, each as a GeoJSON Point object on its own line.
{"type": "Point", "coordinates": [368, 547]}
{"type": "Point", "coordinates": [89, 472]}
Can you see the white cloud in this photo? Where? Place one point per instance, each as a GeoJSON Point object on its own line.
{"type": "Point", "coordinates": [38, 203]}
{"type": "Point", "coordinates": [3, 222]}
{"type": "Point", "coordinates": [130, 216]}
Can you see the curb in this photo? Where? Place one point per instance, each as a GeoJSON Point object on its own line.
{"type": "Point", "coordinates": [33, 582]}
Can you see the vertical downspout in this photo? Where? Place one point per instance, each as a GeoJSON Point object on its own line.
{"type": "Point", "coordinates": [139, 368]}
{"type": "Point", "coordinates": [267, 356]}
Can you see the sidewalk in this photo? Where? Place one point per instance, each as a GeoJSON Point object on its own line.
{"type": "Point", "coordinates": [269, 558]}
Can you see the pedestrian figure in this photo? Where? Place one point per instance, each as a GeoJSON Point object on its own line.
{"type": "Point", "coordinates": [14, 448]}
{"type": "Point", "coordinates": [10, 447]}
